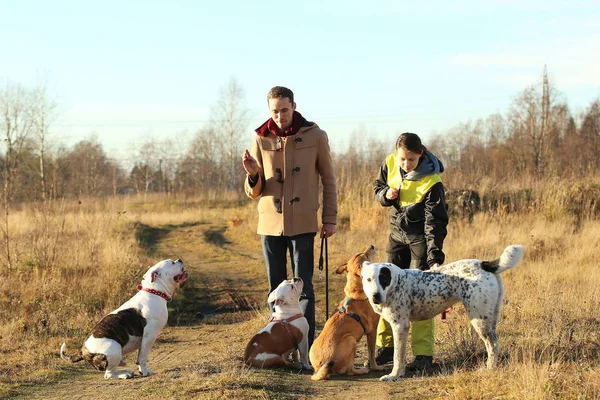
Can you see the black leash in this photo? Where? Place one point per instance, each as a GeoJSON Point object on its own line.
{"type": "Point", "coordinates": [324, 246]}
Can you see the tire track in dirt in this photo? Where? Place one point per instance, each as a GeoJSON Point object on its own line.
{"type": "Point", "coordinates": [224, 279]}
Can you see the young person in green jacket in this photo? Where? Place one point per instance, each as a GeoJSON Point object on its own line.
{"type": "Point", "coordinates": [409, 183]}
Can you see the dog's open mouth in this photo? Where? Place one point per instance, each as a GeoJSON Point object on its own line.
{"type": "Point", "coordinates": [181, 277]}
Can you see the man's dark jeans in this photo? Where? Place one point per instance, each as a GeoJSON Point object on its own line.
{"type": "Point", "coordinates": [301, 250]}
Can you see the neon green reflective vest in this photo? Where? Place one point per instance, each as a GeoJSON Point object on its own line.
{"type": "Point", "coordinates": [411, 192]}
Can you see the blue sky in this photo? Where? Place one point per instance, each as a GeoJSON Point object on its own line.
{"type": "Point", "coordinates": [132, 70]}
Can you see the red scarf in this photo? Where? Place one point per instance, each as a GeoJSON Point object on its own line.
{"type": "Point", "coordinates": [270, 126]}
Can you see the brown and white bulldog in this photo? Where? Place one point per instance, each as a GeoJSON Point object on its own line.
{"type": "Point", "coordinates": [334, 350]}
{"type": "Point", "coordinates": [135, 325]}
{"type": "Point", "coordinates": [285, 334]}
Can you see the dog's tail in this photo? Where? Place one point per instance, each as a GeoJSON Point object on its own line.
{"type": "Point", "coordinates": [323, 372]}
{"type": "Point", "coordinates": [65, 357]}
{"type": "Point", "coordinates": [509, 259]}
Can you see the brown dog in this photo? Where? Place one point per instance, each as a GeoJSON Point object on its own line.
{"type": "Point", "coordinates": [334, 350]}
{"type": "Point", "coordinates": [285, 334]}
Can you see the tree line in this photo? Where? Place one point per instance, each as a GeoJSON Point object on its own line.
{"type": "Point", "coordinates": [537, 138]}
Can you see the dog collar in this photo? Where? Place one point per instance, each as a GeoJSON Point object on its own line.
{"type": "Point", "coordinates": [356, 317]}
{"type": "Point", "coordinates": [287, 320]}
{"type": "Point", "coordinates": [156, 292]}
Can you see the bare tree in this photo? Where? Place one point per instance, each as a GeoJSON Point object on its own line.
{"type": "Point", "coordinates": [168, 167]}
{"type": "Point", "coordinates": [200, 167]}
{"type": "Point", "coordinates": [15, 128]}
{"type": "Point", "coordinates": [88, 172]}
{"type": "Point", "coordinates": [174, 160]}
{"type": "Point", "coordinates": [533, 122]}
{"type": "Point", "coordinates": [495, 129]}
{"type": "Point", "coordinates": [230, 119]}
{"type": "Point", "coordinates": [590, 135]}
{"type": "Point", "coordinates": [42, 115]}
{"type": "Point", "coordinates": [148, 165]}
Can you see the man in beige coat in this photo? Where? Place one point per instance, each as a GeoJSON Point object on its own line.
{"type": "Point", "coordinates": [288, 156]}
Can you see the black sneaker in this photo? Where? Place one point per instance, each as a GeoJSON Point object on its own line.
{"type": "Point", "coordinates": [420, 363]}
{"type": "Point", "coordinates": [384, 355]}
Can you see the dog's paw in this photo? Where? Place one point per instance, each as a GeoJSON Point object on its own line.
{"type": "Point", "coordinates": [390, 378]}
{"type": "Point", "coordinates": [118, 375]}
{"type": "Point", "coordinates": [375, 367]}
{"type": "Point", "coordinates": [295, 357]}
{"type": "Point", "coordinates": [145, 371]}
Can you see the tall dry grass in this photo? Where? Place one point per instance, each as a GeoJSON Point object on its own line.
{"type": "Point", "coordinates": [75, 262]}
{"type": "Point", "coordinates": [550, 326]}
{"type": "Point", "coordinates": [79, 260]}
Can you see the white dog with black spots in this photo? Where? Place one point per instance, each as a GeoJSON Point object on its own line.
{"type": "Point", "coordinates": [404, 295]}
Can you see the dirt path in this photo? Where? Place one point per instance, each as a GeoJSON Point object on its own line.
{"type": "Point", "coordinates": [198, 355]}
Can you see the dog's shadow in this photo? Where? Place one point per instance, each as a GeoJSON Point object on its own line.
{"type": "Point", "coordinates": [473, 359]}
{"type": "Point", "coordinates": [435, 370]}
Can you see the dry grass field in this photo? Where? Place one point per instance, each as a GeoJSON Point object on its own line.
{"type": "Point", "coordinates": [77, 261]}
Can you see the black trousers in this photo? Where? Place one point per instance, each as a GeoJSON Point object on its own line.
{"type": "Point", "coordinates": [301, 250]}
{"type": "Point", "coordinates": [407, 251]}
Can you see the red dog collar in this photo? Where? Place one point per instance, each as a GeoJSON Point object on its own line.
{"type": "Point", "coordinates": [287, 320]}
{"type": "Point", "coordinates": [156, 292]}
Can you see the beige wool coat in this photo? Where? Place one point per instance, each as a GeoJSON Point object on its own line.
{"type": "Point", "coordinates": [288, 185]}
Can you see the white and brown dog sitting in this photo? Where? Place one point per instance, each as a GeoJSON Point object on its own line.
{"type": "Point", "coordinates": [285, 334]}
{"type": "Point", "coordinates": [135, 325]}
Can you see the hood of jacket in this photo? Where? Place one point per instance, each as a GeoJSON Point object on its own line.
{"type": "Point", "coordinates": [428, 165]}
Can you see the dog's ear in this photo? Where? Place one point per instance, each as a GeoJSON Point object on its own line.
{"type": "Point", "coordinates": [277, 301]}
{"type": "Point", "coordinates": [361, 261]}
{"type": "Point", "coordinates": [341, 269]}
{"type": "Point", "coordinates": [385, 277]}
{"type": "Point", "coordinates": [151, 275]}
{"type": "Point", "coordinates": [272, 296]}
{"type": "Point", "coordinates": [155, 273]}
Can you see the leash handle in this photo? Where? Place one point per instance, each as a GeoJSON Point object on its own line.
{"type": "Point", "coordinates": [321, 262]}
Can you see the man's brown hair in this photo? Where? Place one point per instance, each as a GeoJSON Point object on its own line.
{"type": "Point", "coordinates": [278, 92]}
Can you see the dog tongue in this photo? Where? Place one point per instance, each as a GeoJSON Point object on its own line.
{"type": "Point", "coordinates": [181, 277]}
